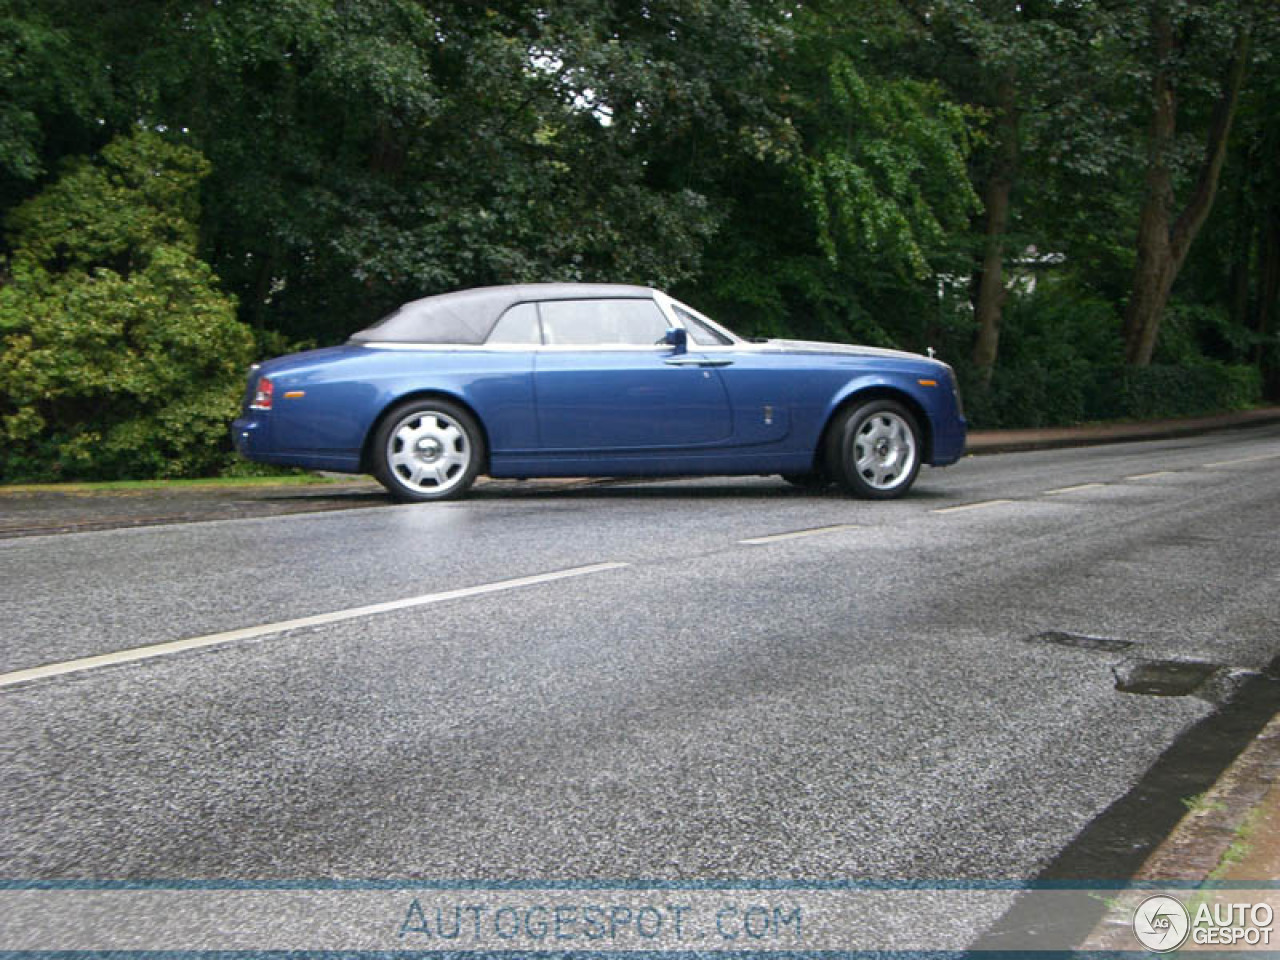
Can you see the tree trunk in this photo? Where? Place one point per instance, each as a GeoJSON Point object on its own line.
{"type": "Point", "coordinates": [1162, 246]}
{"type": "Point", "coordinates": [1267, 355]}
{"type": "Point", "coordinates": [996, 200]}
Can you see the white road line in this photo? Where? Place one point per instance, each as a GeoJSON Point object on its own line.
{"type": "Point", "coordinates": [797, 534]}
{"type": "Point", "coordinates": [249, 633]}
{"type": "Point", "coordinates": [1232, 463]}
{"type": "Point", "coordinates": [1079, 486]}
{"type": "Point", "coordinates": [1151, 476]}
{"type": "Point", "coordinates": [972, 506]}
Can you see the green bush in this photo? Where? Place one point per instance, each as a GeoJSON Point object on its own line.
{"type": "Point", "coordinates": [122, 359]}
{"type": "Point", "coordinates": [1035, 395]}
{"type": "Point", "coordinates": [1052, 344]}
{"type": "Point", "coordinates": [1169, 391]}
{"type": "Point", "coordinates": [1191, 333]}
{"type": "Point", "coordinates": [1061, 364]}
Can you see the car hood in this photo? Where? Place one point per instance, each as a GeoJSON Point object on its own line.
{"type": "Point", "coordinates": [844, 349]}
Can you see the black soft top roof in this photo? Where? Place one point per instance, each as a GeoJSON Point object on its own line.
{"type": "Point", "coordinates": [468, 316]}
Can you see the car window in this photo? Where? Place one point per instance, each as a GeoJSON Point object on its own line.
{"type": "Point", "coordinates": [699, 332]}
{"type": "Point", "coordinates": [518, 325]}
{"type": "Point", "coordinates": [602, 322]}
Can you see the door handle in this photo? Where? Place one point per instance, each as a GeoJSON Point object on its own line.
{"type": "Point", "coordinates": [697, 362]}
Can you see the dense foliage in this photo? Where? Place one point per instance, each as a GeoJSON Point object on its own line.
{"type": "Point", "coordinates": [1077, 202]}
{"type": "Point", "coordinates": [122, 357]}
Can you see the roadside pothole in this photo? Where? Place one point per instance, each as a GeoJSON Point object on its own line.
{"type": "Point", "coordinates": [1078, 641]}
{"type": "Point", "coordinates": [1163, 678]}
{"type": "Point", "coordinates": [1212, 682]}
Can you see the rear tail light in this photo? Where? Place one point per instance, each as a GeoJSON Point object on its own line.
{"type": "Point", "coordinates": [263, 395]}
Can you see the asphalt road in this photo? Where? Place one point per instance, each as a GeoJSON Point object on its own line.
{"type": "Point", "coordinates": [728, 679]}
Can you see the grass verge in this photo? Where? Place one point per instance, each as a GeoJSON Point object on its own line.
{"type": "Point", "coordinates": [107, 486]}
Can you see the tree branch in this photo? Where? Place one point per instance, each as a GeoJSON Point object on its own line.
{"type": "Point", "coordinates": [1200, 202]}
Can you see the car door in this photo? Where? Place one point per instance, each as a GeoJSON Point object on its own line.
{"type": "Point", "coordinates": [604, 381]}
{"type": "Point", "coordinates": [761, 391]}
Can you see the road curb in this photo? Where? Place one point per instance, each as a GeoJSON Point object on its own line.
{"type": "Point", "coordinates": [1198, 844]}
{"type": "Point", "coordinates": [1051, 438]}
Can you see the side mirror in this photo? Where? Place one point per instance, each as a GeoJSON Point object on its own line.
{"type": "Point", "coordinates": [677, 339]}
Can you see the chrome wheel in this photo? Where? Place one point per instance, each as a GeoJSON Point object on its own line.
{"type": "Point", "coordinates": [428, 450]}
{"type": "Point", "coordinates": [874, 450]}
{"type": "Point", "coordinates": [884, 450]}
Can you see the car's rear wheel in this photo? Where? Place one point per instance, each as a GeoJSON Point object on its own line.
{"type": "Point", "coordinates": [428, 450]}
{"type": "Point", "coordinates": [873, 449]}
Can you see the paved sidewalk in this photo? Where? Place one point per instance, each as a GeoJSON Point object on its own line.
{"type": "Point", "coordinates": [1011, 441]}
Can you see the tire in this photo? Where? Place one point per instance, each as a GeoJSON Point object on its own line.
{"type": "Point", "coordinates": [427, 450]}
{"type": "Point", "coordinates": [815, 480]}
{"type": "Point", "coordinates": [873, 450]}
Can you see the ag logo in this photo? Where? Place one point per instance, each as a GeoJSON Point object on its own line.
{"type": "Point", "coordinates": [1161, 924]}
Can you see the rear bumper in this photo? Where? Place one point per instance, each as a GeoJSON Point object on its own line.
{"type": "Point", "coordinates": [249, 436]}
{"type": "Point", "coordinates": [252, 438]}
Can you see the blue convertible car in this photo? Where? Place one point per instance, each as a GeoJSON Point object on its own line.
{"type": "Point", "coordinates": [554, 380]}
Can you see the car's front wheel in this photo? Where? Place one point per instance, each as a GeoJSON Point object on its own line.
{"type": "Point", "coordinates": [427, 450]}
{"type": "Point", "coordinates": [873, 449]}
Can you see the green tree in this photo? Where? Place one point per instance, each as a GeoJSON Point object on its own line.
{"type": "Point", "coordinates": [1190, 45]}
{"type": "Point", "coordinates": [841, 222]}
{"type": "Point", "coordinates": [885, 170]}
{"type": "Point", "coordinates": [1025, 68]}
{"type": "Point", "coordinates": [1019, 64]}
{"type": "Point", "coordinates": [364, 153]}
{"type": "Point", "coordinates": [121, 356]}
{"type": "Point", "coordinates": [55, 94]}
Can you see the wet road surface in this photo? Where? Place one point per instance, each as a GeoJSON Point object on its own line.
{"type": "Point", "coordinates": [710, 679]}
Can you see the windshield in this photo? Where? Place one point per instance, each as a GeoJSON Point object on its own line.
{"type": "Point", "coordinates": [703, 331]}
